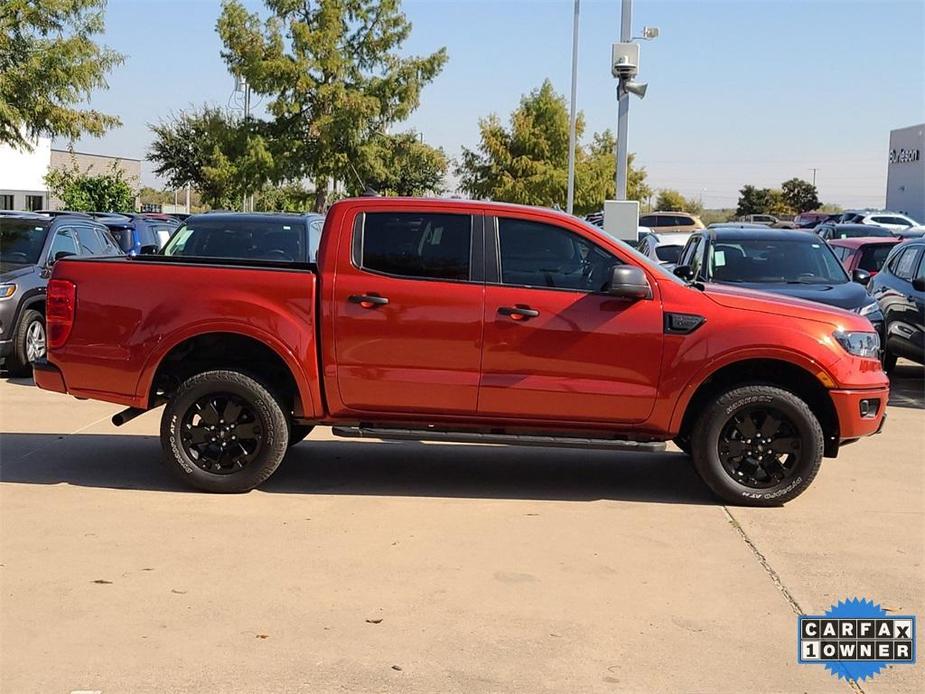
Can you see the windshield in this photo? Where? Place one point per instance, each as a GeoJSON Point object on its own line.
{"type": "Point", "coordinates": [21, 241]}
{"type": "Point", "coordinates": [801, 261]}
{"type": "Point", "coordinates": [250, 239]}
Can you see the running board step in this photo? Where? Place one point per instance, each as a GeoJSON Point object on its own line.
{"type": "Point", "coordinates": [506, 439]}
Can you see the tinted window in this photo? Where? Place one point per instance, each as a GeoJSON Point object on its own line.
{"type": "Point", "coordinates": [21, 241]}
{"type": "Point", "coordinates": [873, 257]}
{"type": "Point", "coordinates": [65, 240]}
{"type": "Point", "coordinates": [90, 243]}
{"type": "Point", "coordinates": [541, 255]}
{"type": "Point", "coordinates": [649, 220]}
{"type": "Point", "coordinates": [904, 265]}
{"type": "Point", "coordinates": [146, 234]}
{"type": "Point", "coordinates": [852, 232]}
{"type": "Point", "coordinates": [668, 254]}
{"type": "Point", "coordinates": [892, 220]}
{"type": "Point", "coordinates": [239, 237]}
{"type": "Point", "coordinates": [779, 260]}
{"type": "Point", "coordinates": [410, 244]}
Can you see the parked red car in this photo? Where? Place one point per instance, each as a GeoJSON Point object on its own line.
{"type": "Point", "coordinates": [454, 320]}
{"type": "Point", "coordinates": [866, 253]}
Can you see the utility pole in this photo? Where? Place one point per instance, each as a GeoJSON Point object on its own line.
{"type": "Point", "coordinates": [814, 177]}
{"type": "Point", "coordinates": [570, 203]}
{"type": "Point", "coordinates": [623, 107]}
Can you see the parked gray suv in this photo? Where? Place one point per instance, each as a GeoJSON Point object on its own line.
{"type": "Point", "coordinates": [29, 246]}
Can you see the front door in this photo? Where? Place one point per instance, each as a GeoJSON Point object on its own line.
{"type": "Point", "coordinates": [557, 346]}
{"type": "Point", "coordinates": [408, 314]}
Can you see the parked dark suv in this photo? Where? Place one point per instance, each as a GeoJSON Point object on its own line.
{"type": "Point", "coordinates": [899, 288]}
{"type": "Point", "coordinates": [29, 246]}
{"type": "Point", "coordinates": [139, 233]}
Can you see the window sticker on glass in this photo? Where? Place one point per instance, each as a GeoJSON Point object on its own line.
{"type": "Point", "coordinates": [719, 258]}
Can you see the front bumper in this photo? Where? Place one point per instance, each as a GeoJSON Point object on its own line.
{"type": "Point", "coordinates": [851, 424]}
{"type": "Point", "coordinates": [47, 376]}
{"type": "Point", "coordinates": [6, 348]}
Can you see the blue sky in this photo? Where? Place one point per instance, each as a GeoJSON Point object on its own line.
{"type": "Point", "coordinates": [739, 92]}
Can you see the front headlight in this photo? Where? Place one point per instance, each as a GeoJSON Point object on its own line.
{"type": "Point", "coordinates": [7, 290]}
{"type": "Point", "coordinates": [859, 344]}
{"type": "Point", "coordinates": [867, 309]}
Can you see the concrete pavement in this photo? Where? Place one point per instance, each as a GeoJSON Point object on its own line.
{"type": "Point", "coordinates": [420, 567]}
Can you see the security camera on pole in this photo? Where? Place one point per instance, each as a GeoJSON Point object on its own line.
{"type": "Point", "coordinates": [621, 216]}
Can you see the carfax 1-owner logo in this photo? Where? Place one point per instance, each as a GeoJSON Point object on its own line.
{"type": "Point", "coordinates": [856, 639]}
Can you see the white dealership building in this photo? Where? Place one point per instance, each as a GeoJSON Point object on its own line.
{"type": "Point", "coordinates": [905, 181]}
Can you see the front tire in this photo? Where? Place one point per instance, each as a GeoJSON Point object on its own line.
{"type": "Point", "coordinates": [29, 343]}
{"type": "Point", "coordinates": [757, 446]}
{"type": "Point", "coordinates": [888, 360]}
{"type": "Point", "coordinates": [223, 431]}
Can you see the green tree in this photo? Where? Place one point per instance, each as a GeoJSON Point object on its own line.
{"type": "Point", "coordinates": [285, 197]}
{"type": "Point", "coordinates": [82, 191]}
{"type": "Point", "coordinates": [670, 201]}
{"type": "Point", "coordinates": [778, 204]}
{"type": "Point", "coordinates": [527, 162]}
{"type": "Point", "coordinates": [800, 195]}
{"type": "Point", "coordinates": [404, 165]}
{"type": "Point", "coordinates": [753, 200]}
{"type": "Point", "coordinates": [334, 78]}
{"type": "Point", "coordinates": [223, 157]}
{"type": "Point", "coordinates": [49, 63]}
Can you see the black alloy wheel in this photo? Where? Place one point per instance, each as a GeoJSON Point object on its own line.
{"type": "Point", "coordinates": [221, 433]}
{"type": "Point", "coordinates": [759, 447]}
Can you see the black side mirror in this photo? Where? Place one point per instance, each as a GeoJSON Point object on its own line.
{"type": "Point", "coordinates": [629, 282]}
{"type": "Point", "coordinates": [150, 250]}
{"type": "Point", "coordinates": [861, 276]}
{"type": "Point", "coordinates": [62, 254]}
{"type": "Point", "coordinates": [918, 284]}
{"type": "Point", "coordinates": [685, 272]}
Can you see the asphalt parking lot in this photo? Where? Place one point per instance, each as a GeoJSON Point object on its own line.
{"type": "Point", "coordinates": [419, 567]}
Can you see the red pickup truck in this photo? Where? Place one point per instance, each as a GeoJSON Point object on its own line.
{"type": "Point", "coordinates": [460, 321]}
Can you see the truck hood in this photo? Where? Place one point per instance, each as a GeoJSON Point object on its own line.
{"type": "Point", "coordinates": [785, 306]}
{"type": "Point", "coordinates": [10, 271]}
{"type": "Point", "coordinates": [847, 295]}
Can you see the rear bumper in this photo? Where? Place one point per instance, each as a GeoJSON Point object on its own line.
{"type": "Point", "coordinates": [851, 424]}
{"type": "Point", "coordinates": [48, 376]}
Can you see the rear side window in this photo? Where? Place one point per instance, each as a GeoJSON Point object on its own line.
{"type": "Point", "coordinates": [682, 221]}
{"type": "Point", "coordinates": [241, 237]}
{"type": "Point", "coordinates": [649, 220]}
{"type": "Point", "coordinates": [421, 245]}
{"type": "Point", "coordinates": [90, 242]}
{"type": "Point", "coordinates": [892, 220]}
{"type": "Point", "coordinates": [668, 254]}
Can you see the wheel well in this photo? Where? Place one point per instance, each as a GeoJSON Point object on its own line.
{"type": "Point", "coordinates": [224, 351]}
{"type": "Point", "coordinates": [769, 372]}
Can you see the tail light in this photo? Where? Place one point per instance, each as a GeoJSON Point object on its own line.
{"type": "Point", "coordinates": [61, 302]}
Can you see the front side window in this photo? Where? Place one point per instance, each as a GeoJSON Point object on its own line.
{"type": "Point", "coordinates": [534, 254]}
{"type": "Point", "coordinates": [873, 257]}
{"type": "Point", "coordinates": [904, 265]}
{"type": "Point", "coordinates": [417, 244]}
{"type": "Point", "coordinates": [65, 240]}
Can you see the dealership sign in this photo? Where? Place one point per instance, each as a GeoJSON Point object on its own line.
{"type": "Point", "coordinates": [903, 156]}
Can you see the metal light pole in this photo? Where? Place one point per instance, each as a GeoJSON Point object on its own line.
{"type": "Point", "coordinates": [623, 107]}
{"type": "Point", "coordinates": [570, 203]}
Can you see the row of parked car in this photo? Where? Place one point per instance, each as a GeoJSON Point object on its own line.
{"type": "Point", "coordinates": [31, 243]}
{"type": "Point", "coordinates": [865, 268]}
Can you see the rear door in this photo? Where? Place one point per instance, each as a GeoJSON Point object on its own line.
{"type": "Point", "coordinates": [408, 312]}
{"type": "Point", "coordinates": [557, 346]}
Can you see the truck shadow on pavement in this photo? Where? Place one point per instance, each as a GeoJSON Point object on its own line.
{"type": "Point", "coordinates": [907, 386]}
{"type": "Point", "coordinates": [372, 469]}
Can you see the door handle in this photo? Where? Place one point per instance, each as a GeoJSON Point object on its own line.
{"type": "Point", "coordinates": [367, 300]}
{"type": "Point", "coordinates": [518, 312]}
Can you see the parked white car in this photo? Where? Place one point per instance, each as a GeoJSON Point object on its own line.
{"type": "Point", "coordinates": [894, 221]}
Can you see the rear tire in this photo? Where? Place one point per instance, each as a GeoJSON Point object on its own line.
{"type": "Point", "coordinates": [757, 446]}
{"type": "Point", "coordinates": [29, 343]}
{"type": "Point", "coordinates": [223, 431]}
{"type": "Point", "coordinates": [299, 432]}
